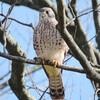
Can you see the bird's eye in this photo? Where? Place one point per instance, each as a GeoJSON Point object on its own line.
{"type": "Point", "coordinates": [47, 12]}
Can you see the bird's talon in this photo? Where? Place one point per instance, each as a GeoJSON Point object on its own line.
{"type": "Point", "coordinates": [55, 63]}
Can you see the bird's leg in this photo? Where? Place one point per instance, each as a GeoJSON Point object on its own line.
{"type": "Point", "coordinates": [44, 60]}
{"type": "Point", "coordinates": [55, 63]}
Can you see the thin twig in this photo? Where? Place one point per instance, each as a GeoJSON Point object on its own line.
{"type": "Point", "coordinates": [88, 41]}
{"type": "Point", "coordinates": [35, 87]}
{"type": "Point", "coordinates": [1, 78]}
{"type": "Point", "coordinates": [4, 92]}
{"type": "Point", "coordinates": [2, 7]}
{"type": "Point", "coordinates": [71, 91]}
{"type": "Point", "coordinates": [81, 16]}
{"type": "Point", "coordinates": [69, 4]}
{"type": "Point", "coordinates": [80, 46]}
{"type": "Point", "coordinates": [33, 69]}
{"type": "Point", "coordinates": [30, 87]}
{"type": "Point", "coordinates": [94, 95]}
{"type": "Point", "coordinates": [29, 25]}
{"type": "Point", "coordinates": [8, 25]}
{"type": "Point", "coordinates": [8, 13]}
{"type": "Point", "coordinates": [5, 29]}
{"type": "Point", "coordinates": [43, 93]}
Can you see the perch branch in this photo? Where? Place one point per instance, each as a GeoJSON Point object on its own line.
{"type": "Point", "coordinates": [38, 61]}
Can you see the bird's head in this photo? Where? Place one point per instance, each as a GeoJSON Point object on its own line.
{"type": "Point", "coordinates": [46, 12]}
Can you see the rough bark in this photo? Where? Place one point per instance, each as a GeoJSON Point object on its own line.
{"type": "Point", "coordinates": [72, 45]}
{"type": "Point", "coordinates": [16, 82]}
{"type": "Point", "coordinates": [96, 16]}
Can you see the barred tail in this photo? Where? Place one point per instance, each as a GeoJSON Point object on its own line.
{"type": "Point", "coordinates": [56, 88]}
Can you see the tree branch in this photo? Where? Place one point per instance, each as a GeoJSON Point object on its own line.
{"type": "Point", "coordinates": [38, 61]}
{"type": "Point", "coordinates": [29, 25]}
{"type": "Point", "coordinates": [72, 45]}
{"type": "Point", "coordinates": [1, 78]}
{"type": "Point", "coordinates": [16, 82]}
{"type": "Point", "coordinates": [97, 54]}
{"type": "Point", "coordinates": [31, 70]}
{"type": "Point", "coordinates": [82, 38]}
{"type": "Point", "coordinates": [34, 4]}
{"type": "Point", "coordinates": [96, 17]}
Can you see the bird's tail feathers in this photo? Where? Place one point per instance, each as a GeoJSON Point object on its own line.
{"type": "Point", "coordinates": [56, 88]}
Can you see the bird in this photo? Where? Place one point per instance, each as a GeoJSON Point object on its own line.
{"type": "Point", "coordinates": [49, 45]}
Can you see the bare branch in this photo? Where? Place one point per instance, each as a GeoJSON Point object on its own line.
{"type": "Point", "coordinates": [43, 93]}
{"type": "Point", "coordinates": [94, 10]}
{"type": "Point", "coordinates": [9, 11]}
{"type": "Point", "coordinates": [97, 54]}
{"type": "Point", "coordinates": [4, 92]}
{"type": "Point", "coordinates": [31, 70]}
{"type": "Point", "coordinates": [18, 68]}
{"type": "Point", "coordinates": [72, 45]}
{"type": "Point", "coordinates": [2, 86]}
{"type": "Point", "coordinates": [34, 4]}
{"type": "Point", "coordinates": [29, 25]}
{"type": "Point", "coordinates": [5, 29]}
{"type": "Point", "coordinates": [39, 62]}
{"type": "Point", "coordinates": [1, 78]}
{"type": "Point", "coordinates": [83, 37]}
{"type": "Point", "coordinates": [34, 85]}
{"type": "Point", "coordinates": [96, 16]}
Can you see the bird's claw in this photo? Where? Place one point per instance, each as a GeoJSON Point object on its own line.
{"type": "Point", "coordinates": [55, 63]}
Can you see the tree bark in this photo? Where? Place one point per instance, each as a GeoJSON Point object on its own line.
{"type": "Point", "coordinates": [16, 82]}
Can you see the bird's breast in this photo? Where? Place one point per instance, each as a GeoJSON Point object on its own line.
{"type": "Point", "coordinates": [48, 44]}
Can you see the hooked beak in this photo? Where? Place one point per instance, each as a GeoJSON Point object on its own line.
{"type": "Point", "coordinates": [42, 14]}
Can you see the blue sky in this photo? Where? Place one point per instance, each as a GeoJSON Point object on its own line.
{"type": "Point", "coordinates": [76, 84]}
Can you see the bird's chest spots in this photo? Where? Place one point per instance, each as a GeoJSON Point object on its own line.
{"type": "Point", "coordinates": [47, 36]}
{"type": "Point", "coordinates": [49, 40]}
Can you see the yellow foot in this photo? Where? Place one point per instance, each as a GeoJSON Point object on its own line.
{"type": "Point", "coordinates": [55, 63]}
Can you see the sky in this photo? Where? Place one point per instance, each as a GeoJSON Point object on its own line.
{"type": "Point", "coordinates": [77, 86]}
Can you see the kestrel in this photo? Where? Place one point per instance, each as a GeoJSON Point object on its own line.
{"type": "Point", "coordinates": [49, 45]}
